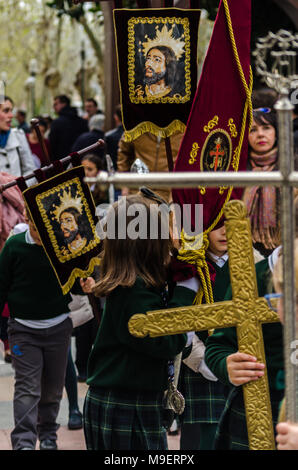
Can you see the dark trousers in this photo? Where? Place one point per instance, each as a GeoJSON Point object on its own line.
{"type": "Point", "coordinates": [39, 358]}
{"type": "Point", "coordinates": [85, 336]}
{"type": "Point", "coordinates": [71, 384]}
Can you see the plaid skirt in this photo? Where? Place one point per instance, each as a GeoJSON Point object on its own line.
{"type": "Point", "coordinates": [123, 420]}
{"type": "Point", "coordinates": [204, 400]}
{"type": "Point", "coordinates": [231, 432]}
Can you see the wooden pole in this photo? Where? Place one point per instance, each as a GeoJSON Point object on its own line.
{"type": "Point", "coordinates": [169, 154]}
{"type": "Point", "coordinates": [99, 143]}
{"type": "Point", "coordinates": [35, 123]}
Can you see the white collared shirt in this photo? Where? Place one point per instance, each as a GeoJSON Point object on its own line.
{"type": "Point", "coordinates": [219, 260]}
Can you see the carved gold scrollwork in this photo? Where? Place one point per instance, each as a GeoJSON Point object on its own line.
{"type": "Point", "coordinates": [246, 311]}
{"type": "Point", "coordinates": [237, 210]}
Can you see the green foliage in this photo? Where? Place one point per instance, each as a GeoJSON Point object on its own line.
{"type": "Point", "coordinates": [66, 7]}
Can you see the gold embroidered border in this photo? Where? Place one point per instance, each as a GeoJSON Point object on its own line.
{"type": "Point", "coordinates": [92, 244]}
{"type": "Point", "coordinates": [77, 272]}
{"type": "Point", "coordinates": [131, 60]}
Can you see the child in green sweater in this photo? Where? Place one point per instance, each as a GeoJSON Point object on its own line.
{"type": "Point", "coordinates": [204, 394]}
{"type": "Point", "coordinates": [39, 331]}
{"type": "Point", "coordinates": [235, 369]}
{"type": "Point", "coordinates": [127, 376]}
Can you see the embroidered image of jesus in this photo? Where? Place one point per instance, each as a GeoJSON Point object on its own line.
{"type": "Point", "coordinates": [159, 60]}
{"type": "Point", "coordinates": [65, 213]}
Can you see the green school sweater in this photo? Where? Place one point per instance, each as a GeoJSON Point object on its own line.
{"type": "Point", "coordinates": [223, 342]}
{"type": "Point", "coordinates": [221, 284]}
{"type": "Point", "coordinates": [119, 360]}
{"type": "Point", "coordinates": [28, 282]}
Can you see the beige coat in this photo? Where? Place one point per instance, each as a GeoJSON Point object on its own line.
{"type": "Point", "coordinates": [152, 151]}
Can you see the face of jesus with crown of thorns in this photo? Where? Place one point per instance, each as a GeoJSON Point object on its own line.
{"type": "Point", "coordinates": [70, 228]}
{"type": "Point", "coordinates": [160, 62]}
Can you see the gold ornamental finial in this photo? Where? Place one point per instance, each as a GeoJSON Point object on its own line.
{"type": "Point", "coordinates": [164, 37]}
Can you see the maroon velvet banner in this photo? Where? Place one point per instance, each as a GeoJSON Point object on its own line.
{"type": "Point", "coordinates": [216, 137]}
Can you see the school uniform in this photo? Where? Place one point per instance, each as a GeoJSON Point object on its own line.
{"type": "Point", "coordinates": [204, 399]}
{"type": "Point", "coordinates": [232, 430]}
{"type": "Point", "coordinates": [39, 331]}
{"type": "Point", "coordinates": [127, 376]}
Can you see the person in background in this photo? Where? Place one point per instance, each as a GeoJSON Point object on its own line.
{"type": "Point", "coordinates": [66, 128]}
{"type": "Point", "coordinates": [264, 98]}
{"type": "Point", "coordinates": [93, 164]}
{"type": "Point", "coordinates": [263, 203]}
{"type": "Point", "coordinates": [21, 118]}
{"type": "Point", "coordinates": [35, 146]}
{"type": "Point", "coordinates": [91, 109]}
{"type": "Point", "coordinates": [91, 137]}
{"type": "Point", "coordinates": [113, 136]}
{"type": "Point", "coordinates": [47, 118]}
{"type": "Point", "coordinates": [15, 154]}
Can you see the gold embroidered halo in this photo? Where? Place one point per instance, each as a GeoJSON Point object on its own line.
{"type": "Point", "coordinates": [164, 37]}
{"type": "Point", "coordinates": [67, 201]}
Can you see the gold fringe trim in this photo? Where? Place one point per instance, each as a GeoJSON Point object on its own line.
{"type": "Point", "coordinates": [77, 272]}
{"type": "Point", "coordinates": [147, 126]}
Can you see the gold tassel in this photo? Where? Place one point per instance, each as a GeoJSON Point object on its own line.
{"type": "Point", "coordinates": [193, 251]}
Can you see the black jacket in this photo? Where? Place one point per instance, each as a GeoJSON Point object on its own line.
{"type": "Point", "coordinates": [89, 138]}
{"type": "Point", "coordinates": [112, 138]}
{"type": "Point", "coordinates": [64, 131]}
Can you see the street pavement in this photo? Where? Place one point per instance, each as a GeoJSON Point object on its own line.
{"type": "Point", "coordinates": [67, 440]}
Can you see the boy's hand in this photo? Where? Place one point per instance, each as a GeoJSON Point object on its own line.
{"type": "Point", "coordinates": [87, 285]}
{"type": "Point", "coordinates": [243, 368]}
{"type": "Point", "coordinates": [287, 437]}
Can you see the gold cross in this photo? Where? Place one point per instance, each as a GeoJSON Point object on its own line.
{"type": "Point", "coordinates": [246, 311]}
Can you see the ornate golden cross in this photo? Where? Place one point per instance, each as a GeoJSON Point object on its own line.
{"type": "Point", "coordinates": [246, 311]}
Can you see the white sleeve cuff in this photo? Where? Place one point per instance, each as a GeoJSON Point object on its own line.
{"type": "Point", "coordinates": [206, 372]}
{"type": "Point", "coordinates": [192, 283]}
{"type": "Point", "coordinates": [190, 336]}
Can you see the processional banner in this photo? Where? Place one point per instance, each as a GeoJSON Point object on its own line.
{"type": "Point", "coordinates": [63, 211]}
{"type": "Point", "coordinates": [157, 68]}
{"type": "Point", "coordinates": [216, 137]}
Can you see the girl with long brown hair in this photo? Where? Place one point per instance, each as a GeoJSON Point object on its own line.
{"type": "Point", "coordinates": [127, 376]}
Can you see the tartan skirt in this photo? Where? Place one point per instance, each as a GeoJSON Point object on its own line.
{"type": "Point", "coordinates": [231, 432]}
{"type": "Point", "coordinates": [123, 420]}
{"type": "Point", "coordinates": [204, 400]}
